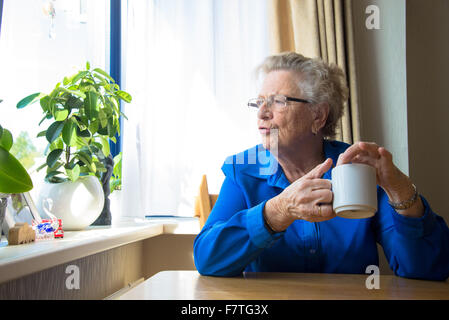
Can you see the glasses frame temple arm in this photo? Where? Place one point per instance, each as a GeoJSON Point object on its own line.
{"type": "Point", "coordinates": [297, 100]}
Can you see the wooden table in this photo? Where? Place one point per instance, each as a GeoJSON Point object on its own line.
{"type": "Point", "coordinates": [190, 285]}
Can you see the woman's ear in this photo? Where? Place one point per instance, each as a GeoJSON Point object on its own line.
{"type": "Point", "coordinates": [321, 113]}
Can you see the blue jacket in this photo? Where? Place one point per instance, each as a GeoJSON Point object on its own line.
{"type": "Point", "coordinates": [235, 239]}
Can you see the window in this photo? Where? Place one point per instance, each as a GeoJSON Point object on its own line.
{"type": "Point", "coordinates": [188, 66]}
{"type": "Point", "coordinates": [40, 43]}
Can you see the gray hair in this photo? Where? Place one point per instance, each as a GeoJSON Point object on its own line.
{"type": "Point", "coordinates": [320, 83]}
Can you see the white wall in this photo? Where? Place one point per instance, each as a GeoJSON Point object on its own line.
{"type": "Point", "coordinates": [381, 72]}
{"type": "Point", "coordinates": [404, 90]}
{"type": "Point", "coordinates": [402, 72]}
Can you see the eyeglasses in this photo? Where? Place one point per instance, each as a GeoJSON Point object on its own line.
{"type": "Point", "coordinates": [278, 101]}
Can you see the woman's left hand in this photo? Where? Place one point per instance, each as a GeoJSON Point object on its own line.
{"type": "Point", "coordinates": [396, 184]}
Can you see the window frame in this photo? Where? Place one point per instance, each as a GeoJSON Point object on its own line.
{"type": "Point", "coordinates": [115, 62]}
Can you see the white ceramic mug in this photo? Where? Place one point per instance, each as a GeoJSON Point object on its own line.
{"type": "Point", "coordinates": [354, 188]}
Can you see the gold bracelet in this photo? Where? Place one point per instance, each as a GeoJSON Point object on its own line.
{"type": "Point", "coordinates": [407, 203]}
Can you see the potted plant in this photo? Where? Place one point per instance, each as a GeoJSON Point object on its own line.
{"type": "Point", "coordinates": [13, 176]}
{"type": "Point", "coordinates": [83, 113]}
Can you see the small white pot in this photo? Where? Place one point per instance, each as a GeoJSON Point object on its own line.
{"type": "Point", "coordinates": [77, 203]}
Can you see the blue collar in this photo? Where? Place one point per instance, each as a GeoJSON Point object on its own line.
{"type": "Point", "coordinates": [268, 168]}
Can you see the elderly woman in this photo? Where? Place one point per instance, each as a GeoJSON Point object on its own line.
{"type": "Point", "coordinates": [282, 220]}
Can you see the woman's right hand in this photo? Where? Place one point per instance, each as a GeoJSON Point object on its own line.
{"type": "Point", "coordinates": [308, 198]}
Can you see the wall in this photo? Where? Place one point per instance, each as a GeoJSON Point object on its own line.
{"type": "Point", "coordinates": [107, 272]}
{"type": "Point", "coordinates": [402, 70]}
{"type": "Point", "coordinates": [381, 72]}
{"type": "Point", "coordinates": [100, 275]}
{"type": "Point", "coordinates": [168, 252]}
{"type": "Point", "coordinates": [428, 99]}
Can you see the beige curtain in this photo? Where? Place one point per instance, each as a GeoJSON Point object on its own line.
{"type": "Point", "coordinates": [320, 28]}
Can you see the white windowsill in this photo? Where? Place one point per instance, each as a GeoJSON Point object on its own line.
{"type": "Point", "coordinates": [20, 260]}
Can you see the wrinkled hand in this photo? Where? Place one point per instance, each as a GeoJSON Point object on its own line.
{"type": "Point", "coordinates": [388, 176]}
{"type": "Point", "coordinates": [308, 198]}
{"type": "Point", "coordinates": [396, 184]}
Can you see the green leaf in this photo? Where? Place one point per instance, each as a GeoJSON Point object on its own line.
{"type": "Point", "coordinates": [103, 81]}
{"type": "Point", "coordinates": [6, 140]}
{"type": "Point", "coordinates": [84, 157]}
{"type": "Point", "coordinates": [117, 125]}
{"type": "Point", "coordinates": [82, 133]}
{"type": "Point", "coordinates": [104, 73]}
{"type": "Point", "coordinates": [47, 116]}
{"type": "Point", "coordinates": [117, 171]}
{"type": "Point", "coordinates": [61, 115]}
{"type": "Point", "coordinates": [74, 92]}
{"type": "Point", "coordinates": [93, 168]}
{"type": "Point", "coordinates": [74, 173]}
{"type": "Point", "coordinates": [97, 144]}
{"type": "Point", "coordinates": [123, 115]}
{"type": "Point", "coordinates": [42, 166]}
{"type": "Point", "coordinates": [69, 133]}
{"type": "Point", "coordinates": [45, 103]}
{"type": "Point", "coordinates": [54, 130]}
{"type": "Point", "coordinates": [51, 174]}
{"type": "Point", "coordinates": [103, 118]}
{"type": "Point", "coordinates": [79, 76]}
{"type": "Point", "coordinates": [105, 146]}
{"type": "Point", "coordinates": [13, 176]}
{"type": "Point", "coordinates": [32, 98]}
{"type": "Point", "coordinates": [87, 65]}
{"type": "Point", "coordinates": [41, 134]}
{"type": "Point", "coordinates": [79, 123]}
{"type": "Point", "coordinates": [57, 144]}
{"type": "Point", "coordinates": [93, 126]}
{"type": "Point", "coordinates": [91, 106]}
{"type": "Point", "coordinates": [81, 142]}
{"type": "Point", "coordinates": [112, 128]}
{"type": "Point", "coordinates": [112, 104]}
{"type": "Point", "coordinates": [115, 184]}
{"type": "Point", "coordinates": [57, 165]}
{"type": "Point", "coordinates": [56, 179]}
{"type": "Point", "coordinates": [53, 157]}
{"type": "Point", "coordinates": [124, 95]}
{"type": "Point", "coordinates": [74, 103]}
{"type": "Point", "coordinates": [109, 112]}
{"type": "Point", "coordinates": [1, 131]}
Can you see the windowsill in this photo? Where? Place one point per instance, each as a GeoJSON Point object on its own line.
{"type": "Point", "coordinates": [20, 260]}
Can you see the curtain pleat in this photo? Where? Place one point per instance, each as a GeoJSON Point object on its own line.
{"type": "Point", "coordinates": [323, 29]}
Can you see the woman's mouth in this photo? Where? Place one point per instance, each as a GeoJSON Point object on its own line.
{"type": "Point", "coordinates": [263, 130]}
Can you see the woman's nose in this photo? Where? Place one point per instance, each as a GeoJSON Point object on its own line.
{"type": "Point", "coordinates": [264, 111]}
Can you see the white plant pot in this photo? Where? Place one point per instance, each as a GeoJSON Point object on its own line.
{"type": "Point", "coordinates": [77, 203]}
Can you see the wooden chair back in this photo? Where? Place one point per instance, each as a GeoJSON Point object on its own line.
{"type": "Point", "coordinates": [204, 202]}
